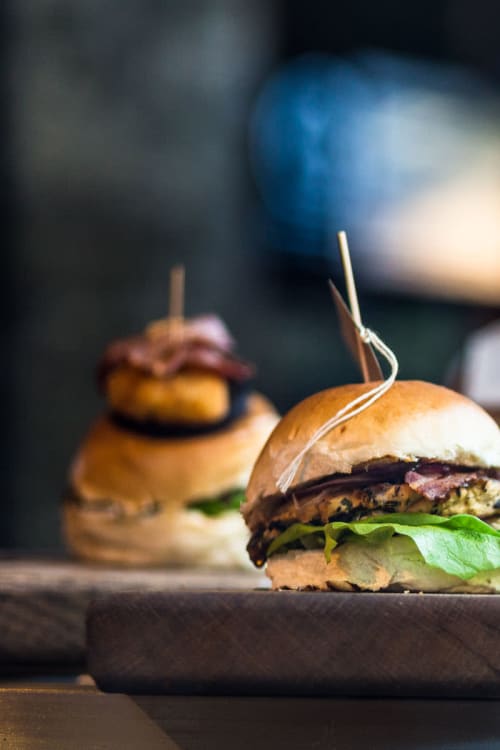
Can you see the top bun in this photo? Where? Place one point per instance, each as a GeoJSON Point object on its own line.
{"type": "Point", "coordinates": [413, 420]}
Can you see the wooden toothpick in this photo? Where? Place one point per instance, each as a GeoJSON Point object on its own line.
{"type": "Point", "coordinates": [176, 298]}
{"type": "Point", "coordinates": [353, 298]}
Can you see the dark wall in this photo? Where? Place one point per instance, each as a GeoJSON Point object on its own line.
{"type": "Point", "coordinates": [126, 147]}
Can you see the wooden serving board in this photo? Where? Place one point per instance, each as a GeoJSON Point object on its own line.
{"type": "Point", "coordinates": [296, 643]}
{"type": "Point", "coordinates": [43, 603]}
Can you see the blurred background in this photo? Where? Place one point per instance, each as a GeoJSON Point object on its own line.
{"type": "Point", "coordinates": [238, 136]}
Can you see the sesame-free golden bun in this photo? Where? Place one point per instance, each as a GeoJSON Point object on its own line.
{"type": "Point", "coordinates": [393, 564]}
{"type": "Point", "coordinates": [129, 492]}
{"type": "Point", "coordinates": [413, 420]}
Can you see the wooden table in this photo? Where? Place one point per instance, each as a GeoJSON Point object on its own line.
{"type": "Point", "coordinates": [44, 600]}
{"type": "Point", "coordinates": [54, 595]}
{"type": "Point", "coordinates": [60, 717]}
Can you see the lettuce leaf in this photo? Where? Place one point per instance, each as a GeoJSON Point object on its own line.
{"type": "Point", "coordinates": [461, 545]}
{"type": "Point", "coordinates": [215, 506]}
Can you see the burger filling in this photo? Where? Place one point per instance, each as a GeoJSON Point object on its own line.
{"type": "Point", "coordinates": [216, 506]}
{"type": "Point", "coordinates": [415, 490]}
{"type": "Point", "coordinates": [189, 396]}
{"type": "Point", "coordinates": [123, 509]}
{"type": "Point", "coordinates": [392, 564]}
{"type": "Point", "coordinates": [179, 376]}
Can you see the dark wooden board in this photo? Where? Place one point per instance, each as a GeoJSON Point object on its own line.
{"type": "Point", "coordinates": [43, 603]}
{"type": "Point", "coordinates": [296, 643]}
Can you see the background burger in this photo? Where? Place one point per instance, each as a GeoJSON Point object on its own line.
{"type": "Point", "coordinates": [403, 496]}
{"type": "Point", "coordinates": [160, 477]}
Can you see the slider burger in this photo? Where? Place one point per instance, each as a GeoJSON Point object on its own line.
{"type": "Point", "coordinates": [160, 477]}
{"type": "Point", "coordinates": [405, 495]}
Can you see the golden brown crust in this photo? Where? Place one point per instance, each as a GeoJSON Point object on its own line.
{"type": "Point", "coordinates": [189, 396]}
{"type": "Point", "coordinates": [413, 420]}
{"type": "Point", "coordinates": [114, 463]}
{"type": "Point", "coordinates": [129, 492]}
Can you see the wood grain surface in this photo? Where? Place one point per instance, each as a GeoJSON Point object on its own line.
{"type": "Point", "coordinates": [296, 643]}
{"type": "Point", "coordinates": [69, 718]}
{"type": "Point", "coordinates": [51, 718]}
{"type": "Point", "coordinates": [209, 723]}
{"type": "Point", "coordinates": [43, 602]}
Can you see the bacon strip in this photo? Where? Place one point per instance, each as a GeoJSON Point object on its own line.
{"type": "Point", "coordinates": [438, 486]}
{"type": "Point", "coordinates": [205, 343]}
{"type": "Point", "coordinates": [430, 476]}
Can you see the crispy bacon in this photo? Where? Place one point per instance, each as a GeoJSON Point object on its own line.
{"type": "Point", "coordinates": [204, 343]}
{"type": "Point", "coordinates": [439, 485]}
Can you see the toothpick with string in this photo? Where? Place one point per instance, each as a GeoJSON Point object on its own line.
{"type": "Point", "coordinates": [354, 331]}
{"type": "Point", "coordinates": [350, 322]}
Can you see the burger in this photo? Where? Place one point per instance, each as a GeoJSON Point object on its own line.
{"type": "Point", "coordinates": [160, 476]}
{"type": "Point", "coordinates": [404, 496]}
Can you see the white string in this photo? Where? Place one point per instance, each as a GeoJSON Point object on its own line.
{"type": "Point", "coordinates": [352, 409]}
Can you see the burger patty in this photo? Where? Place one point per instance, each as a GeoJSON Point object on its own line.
{"type": "Point", "coordinates": [126, 509]}
{"type": "Point", "coordinates": [117, 510]}
{"type": "Point", "coordinates": [422, 488]}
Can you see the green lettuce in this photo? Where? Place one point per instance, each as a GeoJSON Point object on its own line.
{"type": "Point", "coordinates": [215, 506]}
{"type": "Point", "coordinates": [461, 545]}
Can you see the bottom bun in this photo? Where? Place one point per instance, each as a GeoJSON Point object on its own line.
{"type": "Point", "coordinates": [170, 537]}
{"type": "Point", "coordinates": [392, 565]}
